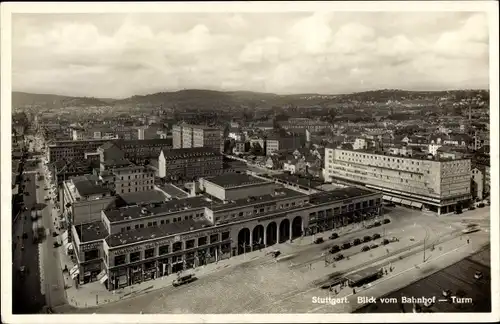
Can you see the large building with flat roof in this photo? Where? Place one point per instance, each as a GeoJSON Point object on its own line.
{"type": "Point", "coordinates": [186, 136]}
{"type": "Point", "coordinates": [436, 184]}
{"type": "Point", "coordinates": [231, 186]}
{"type": "Point", "coordinates": [138, 243]}
{"type": "Point", "coordinates": [189, 163]}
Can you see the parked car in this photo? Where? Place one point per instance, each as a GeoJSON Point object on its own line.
{"type": "Point", "coordinates": [367, 238]}
{"type": "Point", "coordinates": [334, 249]}
{"type": "Point", "coordinates": [377, 223]}
{"type": "Point", "coordinates": [356, 241]}
{"type": "Point", "coordinates": [478, 275]}
{"type": "Point", "coordinates": [472, 208]}
{"type": "Point", "coordinates": [375, 236]}
{"type": "Point", "coordinates": [385, 242]}
{"type": "Point", "coordinates": [369, 226]}
{"type": "Point", "coordinates": [458, 211]}
{"type": "Point", "coordinates": [184, 280]}
{"type": "Point", "coordinates": [386, 221]}
{"type": "Point", "coordinates": [333, 236]}
{"type": "Point", "coordinates": [25, 235]}
{"type": "Point", "coordinates": [346, 245]}
{"type": "Point", "coordinates": [480, 205]}
{"type": "Point", "coordinates": [319, 240]}
{"type": "Point", "coordinates": [373, 246]}
{"type": "Point", "coordinates": [365, 248]}
{"type": "Point", "coordinates": [471, 229]}
{"type": "Point", "coordinates": [338, 257]}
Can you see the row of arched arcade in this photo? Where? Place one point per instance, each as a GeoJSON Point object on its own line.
{"type": "Point", "coordinates": [262, 236]}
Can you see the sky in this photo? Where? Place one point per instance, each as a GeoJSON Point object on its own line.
{"type": "Point", "coordinates": [120, 55]}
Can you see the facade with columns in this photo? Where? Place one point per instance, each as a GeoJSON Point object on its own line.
{"type": "Point", "coordinates": [143, 243]}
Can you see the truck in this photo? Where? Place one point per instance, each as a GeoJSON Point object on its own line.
{"type": "Point", "coordinates": [38, 230]}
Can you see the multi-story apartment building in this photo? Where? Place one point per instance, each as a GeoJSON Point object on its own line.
{"type": "Point", "coordinates": [439, 185]}
{"type": "Point", "coordinates": [306, 123]}
{"type": "Point", "coordinates": [82, 198]}
{"type": "Point", "coordinates": [132, 178]}
{"type": "Point", "coordinates": [275, 143]}
{"type": "Point", "coordinates": [189, 163]}
{"type": "Point", "coordinates": [69, 150]}
{"type": "Point", "coordinates": [186, 136]}
{"type": "Point", "coordinates": [135, 244]}
{"type": "Point", "coordinates": [137, 151]}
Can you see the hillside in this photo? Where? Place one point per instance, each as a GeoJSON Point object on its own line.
{"type": "Point", "coordinates": [208, 99]}
{"type": "Point", "coordinates": [20, 99]}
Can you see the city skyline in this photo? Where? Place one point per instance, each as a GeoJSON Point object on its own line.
{"type": "Point", "coordinates": [121, 55]}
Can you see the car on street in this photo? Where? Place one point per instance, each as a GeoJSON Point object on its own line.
{"type": "Point", "coordinates": [470, 229]}
{"type": "Point", "coordinates": [338, 257]}
{"type": "Point", "coordinates": [376, 224]}
{"type": "Point", "coordinates": [374, 246]}
{"type": "Point", "coordinates": [472, 208]}
{"type": "Point", "coordinates": [458, 211]}
{"type": "Point", "coordinates": [367, 238]}
{"type": "Point", "coordinates": [25, 235]}
{"type": "Point", "coordinates": [385, 242]}
{"type": "Point", "coordinates": [334, 249]}
{"type": "Point", "coordinates": [346, 245]}
{"type": "Point", "coordinates": [184, 280]}
{"type": "Point", "coordinates": [319, 240]}
{"type": "Point", "coordinates": [386, 221]}
{"type": "Point", "coordinates": [333, 236]}
{"type": "Point", "coordinates": [478, 275]}
{"type": "Point", "coordinates": [375, 236]}
{"type": "Point", "coordinates": [356, 241]}
{"type": "Point", "coordinates": [369, 226]}
{"type": "Point", "coordinates": [480, 205]}
{"type": "Point", "coordinates": [365, 248]}
{"type": "Point", "coordinates": [22, 270]}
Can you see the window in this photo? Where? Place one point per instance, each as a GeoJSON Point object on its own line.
{"type": "Point", "coordinates": [135, 256]}
{"type": "Point", "coordinates": [167, 221]}
{"type": "Point", "coordinates": [150, 224]}
{"type": "Point", "coordinates": [149, 253]}
{"type": "Point", "coordinates": [225, 236]}
{"type": "Point", "coordinates": [189, 244]}
{"type": "Point", "coordinates": [240, 214]}
{"type": "Point", "coordinates": [162, 222]}
{"type": "Point", "coordinates": [136, 226]}
{"type": "Point", "coordinates": [214, 238]}
{"type": "Point", "coordinates": [128, 228]}
{"type": "Point", "coordinates": [119, 260]}
{"type": "Point", "coordinates": [91, 255]}
{"type": "Point", "coordinates": [177, 246]}
{"type": "Point", "coordinates": [163, 249]}
{"type": "Point", "coordinates": [202, 241]}
{"type": "Point", "coordinates": [186, 217]}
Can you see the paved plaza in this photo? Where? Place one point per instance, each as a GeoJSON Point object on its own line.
{"type": "Point", "coordinates": [261, 285]}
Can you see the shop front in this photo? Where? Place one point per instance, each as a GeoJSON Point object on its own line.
{"type": "Point", "coordinates": [119, 279]}
{"type": "Point", "coordinates": [190, 260]}
{"type": "Point", "coordinates": [136, 274]}
{"type": "Point", "coordinates": [149, 270]}
{"type": "Point", "coordinates": [225, 251]}
{"type": "Point", "coordinates": [163, 267]}
{"type": "Point", "coordinates": [91, 272]}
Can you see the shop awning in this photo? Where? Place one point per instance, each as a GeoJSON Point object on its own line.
{"type": "Point", "coordinates": [65, 236]}
{"type": "Point", "coordinates": [386, 198]}
{"type": "Point", "coordinates": [406, 202]}
{"type": "Point", "coordinates": [67, 245]}
{"type": "Point", "coordinates": [101, 274]}
{"type": "Point", "coordinates": [104, 278]}
{"type": "Point", "coordinates": [396, 200]}
{"type": "Point", "coordinates": [74, 273]}
{"type": "Point", "coordinates": [416, 204]}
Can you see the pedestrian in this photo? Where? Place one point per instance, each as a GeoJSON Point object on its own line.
{"type": "Point", "coordinates": [468, 241]}
{"type": "Point", "coordinates": [310, 266]}
{"type": "Point", "coordinates": [354, 291]}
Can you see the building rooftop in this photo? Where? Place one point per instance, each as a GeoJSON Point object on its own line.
{"type": "Point", "coordinates": [413, 157]}
{"type": "Point", "coordinates": [91, 231]}
{"type": "Point", "coordinates": [143, 234]}
{"type": "Point", "coordinates": [168, 207]}
{"type": "Point", "coordinates": [142, 197]}
{"type": "Point", "coordinates": [233, 180]}
{"type": "Point", "coordinates": [294, 179]}
{"type": "Point", "coordinates": [338, 194]}
{"type": "Point", "coordinates": [204, 127]}
{"type": "Point", "coordinates": [173, 191]}
{"type": "Point", "coordinates": [87, 185]}
{"type": "Point", "coordinates": [183, 153]}
{"type": "Point", "coordinates": [279, 194]}
{"type": "Point", "coordinates": [146, 142]}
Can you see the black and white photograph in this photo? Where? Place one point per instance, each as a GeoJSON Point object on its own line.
{"type": "Point", "coordinates": [249, 161]}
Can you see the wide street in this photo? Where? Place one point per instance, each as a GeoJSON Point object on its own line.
{"type": "Point", "coordinates": [262, 285]}
{"type": "Point", "coordinates": [52, 273]}
{"type": "Point", "coordinates": [27, 297]}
